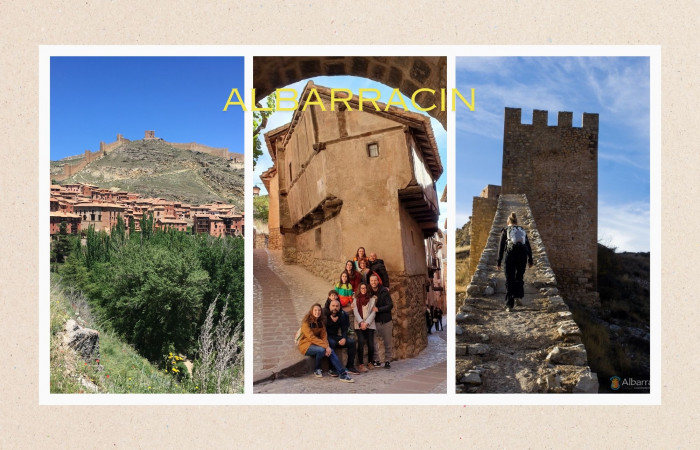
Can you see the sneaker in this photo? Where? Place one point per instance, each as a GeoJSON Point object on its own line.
{"type": "Point", "coordinates": [346, 378]}
{"type": "Point", "coordinates": [518, 302]}
{"type": "Point", "coordinates": [387, 365]}
{"type": "Point", "coordinates": [318, 373]}
{"type": "Point", "coordinates": [333, 372]}
{"type": "Point", "coordinates": [353, 370]}
{"type": "Point", "coordinates": [376, 364]}
{"type": "Point", "coordinates": [362, 368]}
{"type": "Point", "coordinates": [508, 309]}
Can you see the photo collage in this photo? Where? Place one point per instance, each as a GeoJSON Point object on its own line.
{"type": "Point", "coordinates": [447, 225]}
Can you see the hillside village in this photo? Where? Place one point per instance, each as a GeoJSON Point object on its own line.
{"type": "Point", "coordinates": [83, 205]}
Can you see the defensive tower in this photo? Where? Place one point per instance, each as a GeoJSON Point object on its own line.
{"type": "Point", "coordinates": [557, 168]}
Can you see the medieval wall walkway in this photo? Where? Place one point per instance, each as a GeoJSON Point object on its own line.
{"type": "Point", "coordinates": [282, 295]}
{"type": "Point", "coordinates": [535, 348]}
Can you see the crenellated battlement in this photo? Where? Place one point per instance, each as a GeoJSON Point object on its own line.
{"type": "Point", "coordinates": [557, 168]}
{"type": "Point", "coordinates": [149, 135]}
{"type": "Point", "coordinates": [540, 119]}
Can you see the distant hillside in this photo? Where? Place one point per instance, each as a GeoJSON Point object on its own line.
{"type": "Point", "coordinates": [154, 168]}
{"type": "Point", "coordinates": [462, 235]}
{"type": "Point", "coordinates": [617, 335]}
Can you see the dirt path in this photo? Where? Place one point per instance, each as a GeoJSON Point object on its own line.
{"type": "Point", "coordinates": [536, 347]}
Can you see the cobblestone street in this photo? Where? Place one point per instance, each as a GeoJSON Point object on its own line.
{"type": "Point", "coordinates": [277, 287]}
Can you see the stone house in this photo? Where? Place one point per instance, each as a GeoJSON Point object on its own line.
{"type": "Point", "coordinates": [72, 222]}
{"type": "Point", "coordinates": [171, 224]}
{"type": "Point", "coordinates": [348, 178]}
{"type": "Point", "coordinates": [103, 216]}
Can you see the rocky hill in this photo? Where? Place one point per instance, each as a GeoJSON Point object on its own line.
{"type": "Point", "coordinates": [462, 235]}
{"type": "Point", "coordinates": [154, 168]}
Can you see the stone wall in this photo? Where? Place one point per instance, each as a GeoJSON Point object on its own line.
{"type": "Point", "coordinates": [71, 169]}
{"type": "Point", "coordinates": [557, 168]}
{"type": "Point", "coordinates": [483, 211]}
{"type": "Point", "coordinates": [410, 333]}
{"type": "Point", "coordinates": [404, 73]}
{"type": "Point", "coordinates": [260, 240]}
{"type": "Point", "coordinates": [274, 241]}
{"type": "Point", "coordinates": [541, 350]}
{"type": "Point", "coordinates": [221, 152]}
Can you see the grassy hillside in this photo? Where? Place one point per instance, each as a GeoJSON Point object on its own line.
{"type": "Point", "coordinates": [119, 369]}
{"type": "Point", "coordinates": [153, 168]}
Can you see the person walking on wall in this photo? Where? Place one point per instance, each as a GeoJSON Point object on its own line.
{"type": "Point", "coordinates": [516, 247]}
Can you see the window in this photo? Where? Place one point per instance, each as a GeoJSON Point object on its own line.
{"type": "Point", "coordinates": [92, 217]}
{"type": "Point", "coordinates": [373, 150]}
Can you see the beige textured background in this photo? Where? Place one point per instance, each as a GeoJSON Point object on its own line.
{"type": "Point", "coordinates": [25, 25]}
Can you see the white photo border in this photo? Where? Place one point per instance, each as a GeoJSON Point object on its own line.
{"type": "Point", "coordinates": [653, 52]}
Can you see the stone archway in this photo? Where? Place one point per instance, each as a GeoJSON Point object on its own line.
{"type": "Point", "coordinates": [406, 73]}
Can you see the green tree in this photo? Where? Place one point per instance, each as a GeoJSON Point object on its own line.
{"type": "Point", "coordinates": [153, 297]}
{"type": "Point", "coordinates": [261, 205]}
{"type": "Point", "coordinates": [61, 245]}
{"type": "Point", "coordinates": [259, 124]}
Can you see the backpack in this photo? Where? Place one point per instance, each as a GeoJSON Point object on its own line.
{"type": "Point", "coordinates": [297, 337]}
{"type": "Point", "coordinates": [516, 236]}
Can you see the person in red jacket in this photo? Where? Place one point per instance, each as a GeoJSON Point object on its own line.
{"type": "Point", "coordinates": [355, 276]}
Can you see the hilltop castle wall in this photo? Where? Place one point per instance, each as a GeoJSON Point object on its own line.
{"type": "Point", "coordinates": [71, 169]}
{"type": "Point", "coordinates": [221, 152]}
{"type": "Point", "coordinates": [557, 168]}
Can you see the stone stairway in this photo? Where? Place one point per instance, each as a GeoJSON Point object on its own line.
{"type": "Point", "coordinates": [536, 347]}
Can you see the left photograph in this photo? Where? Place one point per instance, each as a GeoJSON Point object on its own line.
{"type": "Point", "coordinates": [147, 223]}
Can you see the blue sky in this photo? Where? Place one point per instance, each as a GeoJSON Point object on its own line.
{"type": "Point", "coordinates": [280, 118]}
{"type": "Point", "coordinates": [181, 98]}
{"type": "Point", "coordinates": [617, 88]}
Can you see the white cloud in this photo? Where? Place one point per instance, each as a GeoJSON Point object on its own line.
{"type": "Point", "coordinates": [624, 226]}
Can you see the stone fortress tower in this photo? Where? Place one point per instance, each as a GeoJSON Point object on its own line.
{"type": "Point", "coordinates": [556, 167]}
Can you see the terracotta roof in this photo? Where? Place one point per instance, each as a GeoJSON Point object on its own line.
{"type": "Point", "coordinates": [64, 214]}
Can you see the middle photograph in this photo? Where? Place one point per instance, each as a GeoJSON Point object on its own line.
{"type": "Point", "coordinates": [350, 225]}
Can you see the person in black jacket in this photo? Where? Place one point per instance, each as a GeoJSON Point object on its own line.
{"type": "Point", "coordinates": [516, 246]}
{"type": "Point", "coordinates": [382, 319]}
{"type": "Point", "coordinates": [337, 323]}
{"type": "Point", "coordinates": [377, 265]}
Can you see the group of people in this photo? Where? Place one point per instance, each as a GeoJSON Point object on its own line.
{"type": "Point", "coordinates": [433, 316]}
{"type": "Point", "coordinates": [363, 291]}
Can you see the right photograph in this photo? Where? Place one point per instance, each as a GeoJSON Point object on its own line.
{"type": "Point", "coordinates": [552, 216]}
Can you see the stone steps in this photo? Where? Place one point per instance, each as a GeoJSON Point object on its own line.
{"type": "Point", "coordinates": [536, 347]}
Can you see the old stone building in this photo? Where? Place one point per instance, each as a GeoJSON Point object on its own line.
{"type": "Point", "coordinates": [348, 178]}
{"type": "Point", "coordinates": [556, 167]}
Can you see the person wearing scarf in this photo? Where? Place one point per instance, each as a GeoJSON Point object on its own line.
{"type": "Point", "coordinates": [364, 324]}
